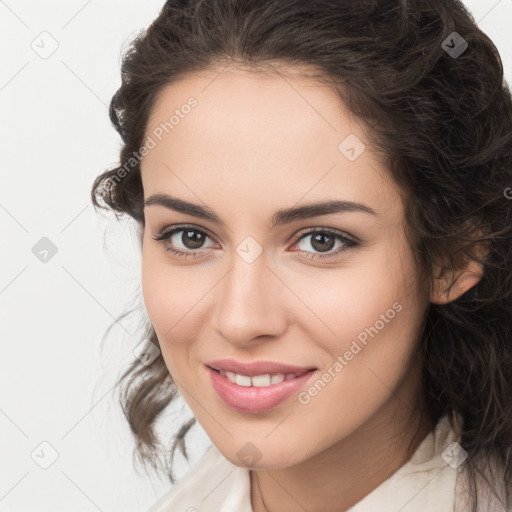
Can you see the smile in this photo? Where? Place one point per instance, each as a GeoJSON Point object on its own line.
{"type": "Point", "coordinates": [258, 393]}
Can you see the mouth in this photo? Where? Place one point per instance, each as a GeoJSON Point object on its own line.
{"type": "Point", "coordinates": [257, 393]}
{"type": "Point", "coordinates": [263, 380]}
{"type": "Point", "coordinates": [257, 368]}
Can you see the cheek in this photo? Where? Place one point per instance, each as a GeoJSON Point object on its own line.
{"type": "Point", "coordinates": [363, 327]}
{"type": "Point", "coordinates": [163, 290]}
{"type": "Point", "coordinates": [163, 294]}
{"type": "Point", "coordinates": [372, 350]}
{"type": "Point", "coordinates": [173, 296]}
{"type": "Point", "coordinates": [343, 304]}
{"type": "Point", "coordinates": [370, 314]}
{"type": "Point", "coordinates": [153, 286]}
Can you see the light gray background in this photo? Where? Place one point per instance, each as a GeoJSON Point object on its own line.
{"type": "Point", "coordinates": [56, 381]}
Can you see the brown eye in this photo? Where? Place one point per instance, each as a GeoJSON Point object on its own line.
{"type": "Point", "coordinates": [183, 241]}
{"type": "Point", "coordinates": [324, 241]}
{"type": "Point", "coordinates": [191, 239]}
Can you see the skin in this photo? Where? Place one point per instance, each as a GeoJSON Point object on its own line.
{"type": "Point", "coordinates": [255, 144]}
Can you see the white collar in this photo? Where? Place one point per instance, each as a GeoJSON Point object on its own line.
{"type": "Point", "coordinates": [426, 482]}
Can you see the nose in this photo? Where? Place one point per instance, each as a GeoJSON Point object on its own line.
{"type": "Point", "coordinates": [250, 303]}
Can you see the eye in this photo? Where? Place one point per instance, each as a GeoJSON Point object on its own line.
{"type": "Point", "coordinates": [324, 240]}
{"type": "Point", "coordinates": [191, 238]}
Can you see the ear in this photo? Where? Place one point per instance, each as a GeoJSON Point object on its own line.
{"type": "Point", "coordinates": [449, 285]}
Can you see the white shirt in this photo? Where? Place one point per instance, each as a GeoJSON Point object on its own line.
{"type": "Point", "coordinates": [426, 483]}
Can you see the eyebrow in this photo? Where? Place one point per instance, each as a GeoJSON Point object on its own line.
{"type": "Point", "coordinates": [283, 216]}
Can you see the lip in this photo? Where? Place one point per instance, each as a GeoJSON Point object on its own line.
{"type": "Point", "coordinates": [253, 399]}
{"type": "Point", "coordinates": [256, 368]}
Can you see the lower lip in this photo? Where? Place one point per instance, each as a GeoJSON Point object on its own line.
{"type": "Point", "coordinates": [252, 398]}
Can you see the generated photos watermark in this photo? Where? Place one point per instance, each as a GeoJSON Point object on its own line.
{"type": "Point", "coordinates": [343, 360]}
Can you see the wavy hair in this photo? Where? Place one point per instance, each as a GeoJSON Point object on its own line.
{"type": "Point", "coordinates": [441, 122]}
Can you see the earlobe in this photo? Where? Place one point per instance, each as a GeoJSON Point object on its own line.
{"type": "Point", "coordinates": [447, 290]}
{"type": "Point", "coordinates": [449, 286]}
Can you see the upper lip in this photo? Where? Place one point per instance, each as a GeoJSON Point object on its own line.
{"type": "Point", "coordinates": [256, 367]}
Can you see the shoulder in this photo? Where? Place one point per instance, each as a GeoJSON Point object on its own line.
{"type": "Point", "coordinates": [210, 483]}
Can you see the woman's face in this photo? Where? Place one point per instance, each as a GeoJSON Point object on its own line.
{"type": "Point", "coordinates": [253, 284]}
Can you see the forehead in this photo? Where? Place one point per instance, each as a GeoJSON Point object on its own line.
{"type": "Point", "coordinates": [273, 135]}
{"type": "Point", "coordinates": [239, 101]}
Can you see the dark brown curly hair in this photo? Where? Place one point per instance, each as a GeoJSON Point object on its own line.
{"type": "Point", "coordinates": [441, 121]}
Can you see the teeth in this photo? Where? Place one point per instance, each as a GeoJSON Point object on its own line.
{"type": "Point", "coordinates": [242, 380]}
{"type": "Point", "coordinates": [260, 381]}
{"type": "Point", "coordinates": [279, 377]}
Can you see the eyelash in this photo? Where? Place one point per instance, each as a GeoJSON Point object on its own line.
{"type": "Point", "coordinates": [349, 243]}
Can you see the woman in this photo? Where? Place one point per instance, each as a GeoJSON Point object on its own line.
{"type": "Point", "coordinates": [320, 190]}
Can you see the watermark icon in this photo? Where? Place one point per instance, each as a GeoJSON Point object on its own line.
{"type": "Point", "coordinates": [352, 147]}
{"type": "Point", "coordinates": [44, 455]}
{"type": "Point", "coordinates": [45, 45]}
{"type": "Point", "coordinates": [341, 361]}
{"type": "Point", "coordinates": [454, 455]}
{"type": "Point", "coordinates": [454, 45]}
{"type": "Point", "coordinates": [44, 250]}
{"type": "Point", "coordinates": [151, 143]}
{"type": "Point", "coordinates": [146, 352]}
{"type": "Point", "coordinates": [249, 454]}
{"type": "Point", "coordinates": [508, 193]}
{"type": "Point", "coordinates": [249, 249]}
